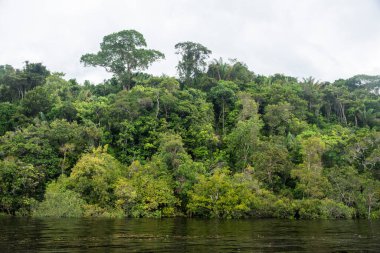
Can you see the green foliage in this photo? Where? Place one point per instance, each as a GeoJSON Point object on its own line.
{"type": "Point", "coordinates": [20, 186]}
{"type": "Point", "coordinates": [121, 53]}
{"type": "Point", "coordinates": [172, 157]}
{"type": "Point", "coordinates": [193, 60]}
{"type": "Point", "coordinates": [59, 201]}
{"type": "Point", "coordinates": [222, 195]}
{"type": "Point", "coordinates": [272, 164]}
{"type": "Point", "coordinates": [278, 118]}
{"type": "Point", "coordinates": [242, 143]}
{"type": "Point", "coordinates": [172, 152]}
{"type": "Point", "coordinates": [37, 101]}
{"type": "Point", "coordinates": [322, 209]}
{"type": "Point", "coordinates": [136, 139]}
{"type": "Point", "coordinates": [53, 148]}
{"type": "Point", "coordinates": [94, 210]}
{"type": "Point", "coordinates": [94, 177]}
{"type": "Point", "coordinates": [311, 181]}
{"type": "Point", "coordinates": [9, 117]}
{"type": "Point", "coordinates": [144, 194]}
{"type": "Point", "coordinates": [223, 97]}
{"type": "Point", "coordinates": [14, 83]}
{"type": "Point", "coordinates": [233, 71]}
{"type": "Point", "coordinates": [224, 143]}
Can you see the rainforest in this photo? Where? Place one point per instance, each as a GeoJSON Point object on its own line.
{"type": "Point", "coordinates": [216, 141]}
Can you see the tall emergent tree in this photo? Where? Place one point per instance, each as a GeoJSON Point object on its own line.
{"type": "Point", "coordinates": [193, 61]}
{"type": "Point", "coordinates": [122, 53]}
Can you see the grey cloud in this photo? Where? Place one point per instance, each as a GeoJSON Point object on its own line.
{"type": "Point", "coordinates": [325, 39]}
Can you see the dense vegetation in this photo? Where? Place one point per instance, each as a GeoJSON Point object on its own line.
{"type": "Point", "coordinates": [220, 141]}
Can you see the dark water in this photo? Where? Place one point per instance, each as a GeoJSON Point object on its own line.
{"type": "Point", "coordinates": [186, 235]}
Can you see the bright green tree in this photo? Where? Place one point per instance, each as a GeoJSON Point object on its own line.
{"type": "Point", "coordinates": [145, 193]}
{"type": "Point", "coordinates": [222, 195]}
{"type": "Point", "coordinates": [94, 177]}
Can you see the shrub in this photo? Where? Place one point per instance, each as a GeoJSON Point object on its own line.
{"type": "Point", "coordinates": [60, 202]}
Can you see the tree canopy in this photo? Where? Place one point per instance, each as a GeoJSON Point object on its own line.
{"type": "Point", "coordinates": [122, 53]}
{"type": "Point", "coordinates": [193, 60]}
{"type": "Point", "coordinates": [221, 143]}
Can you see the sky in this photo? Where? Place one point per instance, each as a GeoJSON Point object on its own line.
{"type": "Point", "coordinates": [325, 39]}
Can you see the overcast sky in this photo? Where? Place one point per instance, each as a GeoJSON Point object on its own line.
{"type": "Point", "coordinates": [326, 39]}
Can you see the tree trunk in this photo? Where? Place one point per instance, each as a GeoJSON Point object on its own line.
{"type": "Point", "coordinates": [342, 114]}
{"type": "Point", "coordinates": [158, 104]}
{"type": "Point", "coordinates": [223, 118]}
{"type": "Point", "coordinates": [63, 162]}
{"type": "Point", "coordinates": [369, 205]}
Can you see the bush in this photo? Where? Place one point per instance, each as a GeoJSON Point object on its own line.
{"type": "Point", "coordinates": [94, 176]}
{"type": "Point", "coordinates": [145, 195]}
{"type": "Point", "coordinates": [97, 211]}
{"type": "Point", "coordinates": [60, 202]}
{"type": "Point", "coordinates": [284, 208]}
{"type": "Point", "coordinates": [20, 186]}
{"type": "Point", "coordinates": [322, 209]}
{"type": "Point", "coordinates": [222, 195]}
{"type": "Point", "coordinates": [337, 210]}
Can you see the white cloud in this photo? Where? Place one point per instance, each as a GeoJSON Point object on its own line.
{"type": "Point", "coordinates": [321, 38]}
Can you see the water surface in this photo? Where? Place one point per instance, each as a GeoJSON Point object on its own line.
{"type": "Point", "coordinates": [187, 235]}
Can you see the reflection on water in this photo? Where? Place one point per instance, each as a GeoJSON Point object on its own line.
{"type": "Point", "coordinates": [186, 235]}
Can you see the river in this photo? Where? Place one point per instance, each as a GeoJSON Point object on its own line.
{"type": "Point", "coordinates": [187, 235]}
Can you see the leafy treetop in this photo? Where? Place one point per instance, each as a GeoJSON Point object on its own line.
{"type": "Point", "coordinates": [123, 52]}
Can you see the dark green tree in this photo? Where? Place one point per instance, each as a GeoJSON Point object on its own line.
{"type": "Point", "coordinates": [14, 83]}
{"type": "Point", "coordinates": [193, 60]}
{"type": "Point", "coordinates": [20, 186]}
{"type": "Point", "coordinates": [232, 71]}
{"type": "Point", "coordinates": [223, 97]}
